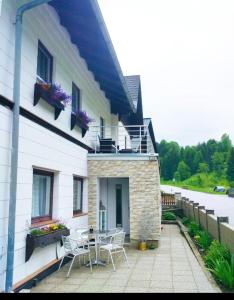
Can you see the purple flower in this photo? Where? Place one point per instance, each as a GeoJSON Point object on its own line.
{"type": "Point", "coordinates": [57, 94]}
{"type": "Point", "coordinates": [82, 116]}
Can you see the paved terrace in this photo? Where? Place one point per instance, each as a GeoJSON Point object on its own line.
{"type": "Point", "coordinates": [171, 268]}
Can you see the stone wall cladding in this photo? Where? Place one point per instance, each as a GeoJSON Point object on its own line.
{"type": "Point", "coordinates": [144, 193]}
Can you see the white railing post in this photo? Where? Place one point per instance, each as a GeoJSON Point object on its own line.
{"type": "Point", "coordinates": [116, 139]}
{"type": "Point", "coordinates": [140, 139]}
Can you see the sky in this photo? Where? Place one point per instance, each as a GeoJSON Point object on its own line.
{"type": "Point", "coordinates": [184, 52]}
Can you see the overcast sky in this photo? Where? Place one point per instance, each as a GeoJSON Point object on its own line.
{"type": "Point", "coordinates": [184, 52]}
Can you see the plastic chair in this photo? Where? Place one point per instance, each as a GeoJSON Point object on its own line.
{"type": "Point", "coordinates": [115, 246]}
{"type": "Point", "coordinates": [74, 248]}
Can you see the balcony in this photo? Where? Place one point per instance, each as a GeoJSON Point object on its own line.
{"type": "Point", "coordinates": [128, 140]}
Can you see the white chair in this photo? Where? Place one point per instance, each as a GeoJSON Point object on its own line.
{"type": "Point", "coordinates": [105, 239]}
{"type": "Point", "coordinates": [74, 248]}
{"type": "Point", "coordinates": [115, 246]}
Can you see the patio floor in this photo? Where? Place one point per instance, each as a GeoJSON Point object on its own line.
{"type": "Point", "coordinates": [172, 267]}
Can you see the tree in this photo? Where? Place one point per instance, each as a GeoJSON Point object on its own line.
{"type": "Point", "coordinates": [203, 168]}
{"type": "Point", "coordinates": [169, 161]}
{"type": "Point", "coordinates": [230, 165]}
{"type": "Point", "coordinates": [183, 171]}
{"type": "Point", "coordinates": [218, 162]}
{"type": "Point", "coordinates": [177, 176]}
{"type": "Point", "coordinates": [189, 156]}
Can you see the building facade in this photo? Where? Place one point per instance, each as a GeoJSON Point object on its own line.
{"type": "Point", "coordinates": [66, 173]}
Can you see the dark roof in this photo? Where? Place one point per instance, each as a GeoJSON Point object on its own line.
{"type": "Point", "coordinates": [85, 24]}
{"type": "Point", "coordinates": [134, 117]}
{"type": "Point", "coordinates": [133, 84]}
{"type": "Point", "coordinates": [148, 122]}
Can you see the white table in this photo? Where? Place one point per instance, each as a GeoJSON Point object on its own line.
{"type": "Point", "coordinates": [95, 235]}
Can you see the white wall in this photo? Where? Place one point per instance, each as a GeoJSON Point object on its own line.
{"type": "Point", "coordinates": [39, 147]}
{"type": "Point", "coordinates": [5, 137]}
{"type": "Point", "coordinates": [43, 24]}
{"type": "Point", "coordinates": [108, 197]}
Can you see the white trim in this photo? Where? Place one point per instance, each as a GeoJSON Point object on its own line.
{"type": "Point", "coordinates": [122, 156]}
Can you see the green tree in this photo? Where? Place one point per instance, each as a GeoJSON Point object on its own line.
{"type": "Point", "coordinates": [170, 158]}
{"type": "Point", "coordinates": [218, 162]}
{"type": "Point", "coordinates": [177, 176]}
{"type": "Point", "coordinates": [183, 171]}
{"type": "Point", "coordinates": [230, 165]}
{"type": "Point", "coordinates": [203, 168]}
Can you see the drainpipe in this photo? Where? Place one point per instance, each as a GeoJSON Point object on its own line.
{"type": "Point", "coordinates": [15, 140]}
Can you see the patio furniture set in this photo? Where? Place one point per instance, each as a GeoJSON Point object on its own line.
{"type": "Point", "coordinates": [80, 242]}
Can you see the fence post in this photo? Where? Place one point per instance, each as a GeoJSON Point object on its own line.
{"type": "Point", "coordinates": [194, 205]}
{"type": "Point", "coordinates": [221, 220]}
{"type": "Point", "coordinates": [189, 207]}
{"type": "Point", "coordinates": [178, 199]}
{"type": "Point", "coordinates": [208, 212]}
{"type": "Point", "coordinates": [200, 207]}
{"type": "Point", "coordinates": [186, 206]}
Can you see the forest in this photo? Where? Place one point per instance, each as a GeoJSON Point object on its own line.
{"type": "Point", "coordinates": [207, 164]}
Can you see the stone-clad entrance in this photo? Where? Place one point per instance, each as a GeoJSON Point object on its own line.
{"type": "Point", "coordinates": [144, 192]}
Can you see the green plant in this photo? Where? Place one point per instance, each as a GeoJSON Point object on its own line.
{"type": "Point", "coordinates": [203, 239]}
{"type": "Point", "coordinates": [185, 221]}
{"type": "Point", "coordinates": [168, 216]}
{"type": "Point", "coordinates": [152, 247]}
{"type": "Point", "coordinates": [37, 232]}
{"type": "Point", "coordinates": [216, 251]}
{"type": "Point", "coordinates": [193, 228]}
{"type": "Point", "coordinates": [224, 271]}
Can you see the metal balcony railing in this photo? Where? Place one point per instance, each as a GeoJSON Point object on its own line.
{"type": "Point", "coordinates": [120, 139]}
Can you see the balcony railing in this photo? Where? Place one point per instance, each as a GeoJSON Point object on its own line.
{"type": "Point", "coordinates": [120, 139]}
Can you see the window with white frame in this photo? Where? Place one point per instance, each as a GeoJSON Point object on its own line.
{"type": "Point", "coordinates": [44, 64]}
{"type": "Point", "coordinates": [77, 195]}
{"type": "Point", "coordinates": [42, 195]}
{"type": "Point", "coordinates": [76, 103]}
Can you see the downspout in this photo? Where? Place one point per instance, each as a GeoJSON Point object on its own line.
{"type": "Point", "coordinates": [15, 140]}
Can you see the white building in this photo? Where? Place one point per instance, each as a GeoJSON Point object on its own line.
{"type": "Point", "coordinates": [66, 42]}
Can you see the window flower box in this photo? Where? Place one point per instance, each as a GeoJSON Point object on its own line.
{"type": "Point", "coordinates": [44, 237]}
{"type": "Point", "coordinates": [53, 95]}
{"type": "Point", "coordinates": [81, 119]}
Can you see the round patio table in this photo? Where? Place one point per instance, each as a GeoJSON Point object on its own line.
{"type": "Point", "coordinates": [95, 235]}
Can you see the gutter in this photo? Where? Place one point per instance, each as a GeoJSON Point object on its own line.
{"type": "Point", "coordinates": [15, 140]}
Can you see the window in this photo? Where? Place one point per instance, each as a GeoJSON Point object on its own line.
{"type": "Point", "coordinates": [77, 195]}
{"type": "Point", "coordinates": [75, 97]}
{"type": "Point", "coordinates": [44, 64]}
{"type": "Point", "coordinates": [42, 196]}
{"type": "Point", "coordinates": [102, 128]}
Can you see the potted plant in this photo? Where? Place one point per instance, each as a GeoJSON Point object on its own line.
{"type": "Point", "coordinates": [53, 95]}
{"type": "Point", "coordinates": [81, 119]}
{"type": "Point", "coordinates": [43, 236]}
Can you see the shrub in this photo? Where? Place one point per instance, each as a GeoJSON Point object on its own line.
{"type": "Point", "coordinates": [193, 228]}
{"type": "Point", "coordinates": [185, 221]}
{"type": "Point", "coordinates": [203, 239]}
{"type": "Point", "coordinates": [216, 251]}
{"type": "Point", "coordinates": [168, 216]}
{"type": "Point", "coordinates": [224, 272]}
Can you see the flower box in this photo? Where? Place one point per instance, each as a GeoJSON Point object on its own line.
{"type": "Point", "coordinates": [76, 121]}
{"type": "Point", "coordinates": [34, 241]}
{"type": "Point", "coordinates": [43, 91]}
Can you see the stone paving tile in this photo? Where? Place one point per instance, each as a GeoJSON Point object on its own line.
{"type": "Point", "coordinates": [171, 268]}
{"type": "Point", "coordinates": [161, 284]}
{"type": "Point", "coordinates": [160, 290]}
{"type": "Point", "coordinates": [135, 290]}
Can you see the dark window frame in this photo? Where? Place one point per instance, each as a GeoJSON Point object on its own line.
{"type": "Point", "coordinates": [78, 211]}
{"type": "Point", "coordinates": [48, 217]}
{"type": "Point", "coordinates": [102, 128]}
{"type": "Point", "coordinates": [76, 103]}
{"type": "Point", "coordinates": [46, 52]}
